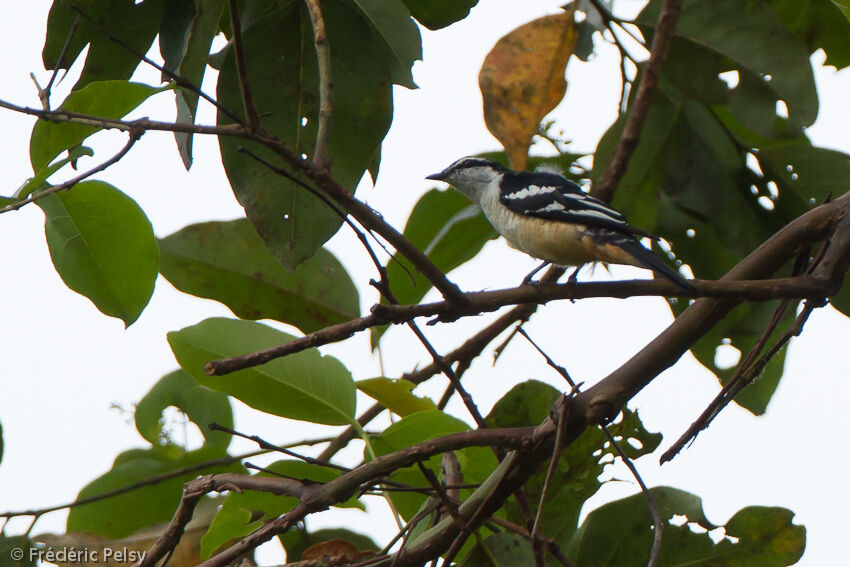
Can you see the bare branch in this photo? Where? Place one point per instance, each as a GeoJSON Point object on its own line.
{"type": "Point", "coordinates": [664, 30]}
{"type": "Point", "coordinates": [481, 302]}
{"type": "Point", "coordinates": [323, 54]}
{"type": "Point", "coordinates": [134, 136]}
{"type": "Point", "coordinates": [251, 118]}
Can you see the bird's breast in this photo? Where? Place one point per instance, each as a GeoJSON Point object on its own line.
{"type": "Point", "coordinates": [564, 244]}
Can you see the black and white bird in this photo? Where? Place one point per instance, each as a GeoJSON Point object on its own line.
{"type": "Point", "coordinates": [549, 217]}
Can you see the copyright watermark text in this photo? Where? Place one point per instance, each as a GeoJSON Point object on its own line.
{"type": "Point", "coordinates": [81, 555]}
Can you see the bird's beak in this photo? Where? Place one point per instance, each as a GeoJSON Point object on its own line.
{"type": "Point", "coordinates": [437, 176]}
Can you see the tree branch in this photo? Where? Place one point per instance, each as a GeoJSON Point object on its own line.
{"type": "Point", "coordinates": [664, 31]}
{"type": "Point", "coordinates": [606, 397]}
{"type": "Point", "coordinates": [323, 54]}
{"type": "Point", "coordinates": [485, 301]}
{"type": "Point", "coordinates": [251, 118]}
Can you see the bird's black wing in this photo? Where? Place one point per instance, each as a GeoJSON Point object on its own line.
{"type": "Point", "coordinates": [553, 197]}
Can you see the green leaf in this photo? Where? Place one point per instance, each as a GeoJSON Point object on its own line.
{"type": "Point", "coordinates": [9, 546]}
{"type": "Point", "coordinates": [243, 512]}
{"type": "Point", "coordinates": [103, 247]}
{"type": "Point", "coordinates": [741, 329]}
{"type": "Point", "coordinates": [502, 549]}
{"type": "Point", "coordinates": [820, 25]}
{"type": "Point", "coordinates": [192, 65]}
{"type": "Point", "coordinates": [177, 18]}
{"type": "Point", "coordinates": [298, 539]}
{"type": "Point", "coordinates": [151, 504]}
{"type": "Point", "coordinates": [619, 533]}
{"type": "Point", "coordinates": [391, 21]}
{"type": "Point", "coordinates": [773, 64]}
{"type": "Point", "coordinates": [201, 405]}
{"type": "Point", "coordinates": [228, 262]}
{"type": "Point", "coordinates": [527, 404]}
{"type": "Point", "coordinates": [135, 24]}
{"type": "Point", "coordinates": [437, 14]}
{"type": "Point", "coordinates": [449, 230]}
{"type": "Point", "coordinates": [395, 395]}
{"type": "Point", "coordinates": [305, 386]}
{"type": "Point", "coordinates": [475, 462]}
{"type": "Point", "coordinates": [108, 99]}
{"type": "Point", "coordinates": [807, 171]}
{"type": "Point", "coordinates": [36, 182]}
{"type": "Point", "coordinates": [284, 80]}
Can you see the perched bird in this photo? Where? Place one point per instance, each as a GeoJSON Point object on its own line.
{"type": "Point", "coordinates": [549, 217]}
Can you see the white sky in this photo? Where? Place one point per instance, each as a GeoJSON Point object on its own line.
{"type": "Point", "coordinates": [65, 364]}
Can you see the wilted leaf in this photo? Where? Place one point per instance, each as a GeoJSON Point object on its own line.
{"type": "Point", "coordinates": [103, 247]}
{"type": "Point", "coordinates": [228, 262]}
{"type": "Point", "coordinates": [298, 539]}
{"type": "Point", "coordinates": [522, 80]}
{"type": "Point", "coordinates": [305, 385]}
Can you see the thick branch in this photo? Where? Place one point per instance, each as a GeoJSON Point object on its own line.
{"type": "Point", "coordinates": [664, 30]}
{"type": "Point", "coordinates": [485, 301]}
{"type": "Point", "coordinates": [609, 395]}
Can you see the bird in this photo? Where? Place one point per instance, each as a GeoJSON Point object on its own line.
{"type": "Point", "coordinates": [551, 218]}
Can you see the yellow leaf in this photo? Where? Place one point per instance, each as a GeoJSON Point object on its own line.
{"type": "Point", "coordinates": [522, 80]}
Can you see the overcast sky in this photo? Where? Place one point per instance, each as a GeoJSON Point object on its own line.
{"type": "Point", "coordinates": [66, 365]}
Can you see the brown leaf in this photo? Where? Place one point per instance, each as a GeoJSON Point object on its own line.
{"type": "Point", "coordinates": [333, 551]}
{"type": "Point", "coordinates": [522, 80]}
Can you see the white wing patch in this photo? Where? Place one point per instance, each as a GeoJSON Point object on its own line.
{"type": "Point", "coordinates": [530, 191]}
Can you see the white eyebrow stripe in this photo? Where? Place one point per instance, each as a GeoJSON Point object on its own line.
{"type": "Point", "coordinates": [530, 191]}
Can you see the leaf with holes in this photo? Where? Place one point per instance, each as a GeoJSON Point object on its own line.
{"type": "Point", "coordinates": [620, 533]}
{"type": "Point", "coordinates": [528, 404]}
{"type": "Point", "coordinates": [284, 78]}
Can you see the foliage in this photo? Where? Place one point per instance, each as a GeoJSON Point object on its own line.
{"type": "Point", "coordinates": [723, 163]}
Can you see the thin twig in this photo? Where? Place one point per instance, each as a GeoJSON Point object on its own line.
{"type": "Point", "coordinates": [664, 30]}
{"type": "Point", "coordinates": [252, 120]}
{"type": "Point", "coordinates": [181, 81]}
{"type": "Point", "coordinates": [742, 378]}
{"type": "Point", "coordinates": [323, 54]}
{"type": "Point", "coordinates": [44, 94]}
{"type": "Point", "coordinates": [134, 137]}
{"type": "Point", "coordinates": [657, 521]}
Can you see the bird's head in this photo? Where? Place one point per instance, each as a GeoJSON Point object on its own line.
{"type": "Point", "coordinates": [470, 175]}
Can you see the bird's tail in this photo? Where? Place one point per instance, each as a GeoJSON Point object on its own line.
{"type": "Point", "coordinates": [645, 258]}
